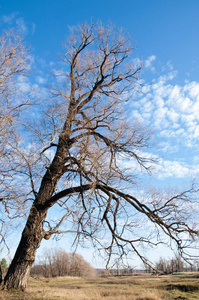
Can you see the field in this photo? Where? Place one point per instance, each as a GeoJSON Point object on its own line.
{"type": "Point", "coordinates": [135, 287]}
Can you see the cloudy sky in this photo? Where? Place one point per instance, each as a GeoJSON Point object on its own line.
{"type": "Point", "coordinates": [166, 39]}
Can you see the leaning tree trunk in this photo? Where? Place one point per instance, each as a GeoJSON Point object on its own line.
{"type": "Point", "coordinates": [33, 233]}
{"type": "Point", "coordinates": [23, 260]}
{"type": "Point", "coordinates": [18, 272]}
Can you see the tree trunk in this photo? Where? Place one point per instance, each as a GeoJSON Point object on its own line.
{"type": "Point", "coordinates": [23, 260]}
{"type": "Point", "coordinates": [18, 272]}
{"type": "Point", "coordinates": [1, 275]}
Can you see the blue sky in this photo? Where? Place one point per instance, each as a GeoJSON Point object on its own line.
{"type": "Point", "coordinates": [168, 29]}
{"type": "Point", "coordinates": [166, 35]}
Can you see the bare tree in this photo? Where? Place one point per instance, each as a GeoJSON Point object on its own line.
{"type": "Point", "coordinates": [55, 263]}
{"type": "Point", "coordinates": [170, 266]}
{"type": "Point", "coordinates": [90, 135]}
{"type": "Point", "coordinates": [13, 66]}
{"type": "Point", "coordinates": [13, 62]}
{"type": "Point", "coordinates": [59, 263]}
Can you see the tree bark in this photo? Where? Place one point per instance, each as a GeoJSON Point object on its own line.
{"type": "Point", "coordinates": [23, 260]}
{"type": "Point", "coordinates": [1, 277]}
{"type": "Point", "coordinates": [18, 272]}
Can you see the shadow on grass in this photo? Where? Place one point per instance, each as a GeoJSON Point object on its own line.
{"type": "Point", "coordinates": [182, 287]}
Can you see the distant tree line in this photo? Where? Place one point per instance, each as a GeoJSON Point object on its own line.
{"type": "Point", "coordinates": [170, 266]}
{"type": "Point", "coordinates": [173, 265]}
{"type": "Point", "coordinates": [60, 263]}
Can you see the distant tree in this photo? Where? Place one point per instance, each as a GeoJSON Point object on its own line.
{"type": "Point", "coordinates": [87, 123]}
{"type": "Point", "coordinates": [148, 268]}
{"type": "Point", "coordinates": [79, 267]}
{"type": "Point", "coordinates": [170, 266]}
{"type": "Point", "coordinates": [3, 265]}
{"type": "Point", "coordinates": [177, 264]}
{"type": "Point", "coordinates": [197, 265]}
{"type": "Point", "coordinates": [60, 263]}
{"type": "Point", "coordinates": [55, 263]}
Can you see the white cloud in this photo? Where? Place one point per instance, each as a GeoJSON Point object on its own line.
{"type": "Point", "coordinates": [174, 169]}
{"type": "Point", "coordinates": [14, 19]}
{"type": "Point", "coordinates": [162, 168]}
{"type": "Point", "coordinates": [8, 19]}
{"type": "Point", "coordinates": [173, 115]}
{"type": "Point", "coordinates": [170, 66]}
{"type": "Point", "coordinates": [33, 28]}
{"type": "Point", "coordinates": [22, 26]}
{"type": "Point", "coordinates": [148, 62]}
{"type": "Point", "coordinates": [42, 62]}
{"type": "Point", "coordinates": [148, 106]}
{"type": "Point", "coordinates": [165, 146]}
{"type": "Point", "coordinates": [41, 80]}
{"type": "Point", "coordinates": [24, 87]}
{"type": "Point", "coordinates": [193, 89]}
{"type": "Point", "coordinates": [171, 109]}
{"type": "Point", "coordinates": [50, 153]}
{"type": "Point", "coordinates": [138, 116]}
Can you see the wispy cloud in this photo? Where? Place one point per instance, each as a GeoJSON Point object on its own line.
{"type": "Point", "coordinates": [148, 62]}
{"type": "Point", "coordinates": [8, 19]}
{"type": "Point", "coordinates": [175, 169]}
{"type": "Point", "coordinates": [33, 28]}
{"type": "Point", "coordinates": [163, 168]}
{"type": "Point", "coordinates": [23, 84]}
{"type": "Point", "coordinates": [21, 25]}
{"type": "Point", "coordinates": [41, 80]}
{"type": "Point", "coordinates": [18, 22]}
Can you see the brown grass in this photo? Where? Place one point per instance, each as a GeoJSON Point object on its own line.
{"type": "Point", "coordinates": [136, 287]}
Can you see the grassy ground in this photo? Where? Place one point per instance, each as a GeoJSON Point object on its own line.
{"type": "Point", "coordinates": [136, 287]}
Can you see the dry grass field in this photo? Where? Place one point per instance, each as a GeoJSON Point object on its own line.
{"type": "Point", "coordinates": [136, 287]}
